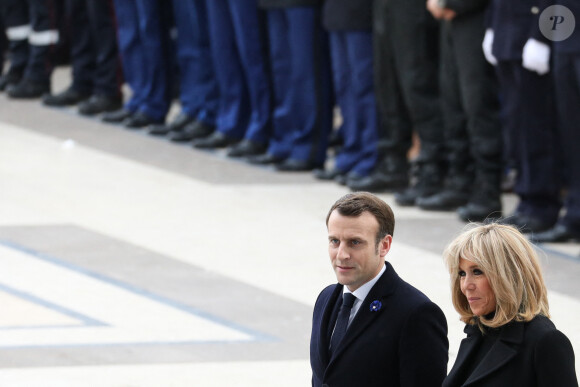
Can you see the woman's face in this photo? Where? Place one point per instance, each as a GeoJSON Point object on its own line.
{"type": "Point", "coordinates": [476, 288]}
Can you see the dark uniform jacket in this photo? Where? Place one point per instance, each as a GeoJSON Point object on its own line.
{"type": "Point", "coordinates": [572, 43]}
{"type": "Point", "coordinates": [402, 342]}
{"type": "Point", "coordinates": [462, 7]}
{"type": "Point", "coordinates": [288, 3]}
{"type": "Point", "coordinates": [513, 23]}
{"type": "Point", "coordinates": [526, 354]}
{"type": "Point", "coordinates": [341, 15]}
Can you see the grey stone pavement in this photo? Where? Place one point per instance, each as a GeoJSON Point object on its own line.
{"type": "Point", "coordinates": [127, 260]}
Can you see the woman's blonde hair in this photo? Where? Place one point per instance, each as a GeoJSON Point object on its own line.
{"type": "Point", "coordinates": [512, 268]}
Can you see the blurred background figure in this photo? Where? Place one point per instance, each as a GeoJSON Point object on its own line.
{"type": "Point", "coordinates": [406, 79]}
{"type": "Point", "coordinates": [198, 89]}
{"type": "Point", "coordinates": [470, 106]}
{"type": "Point", "coordinates": [96, 68]}
{"type": "Point", "coordinates": [567, 81]}
{"type": "Point", "coordinates": [238, 46]}
{"type": "Point", "coordinates": [302, 85]}
{"type": "Point", "coordinates": [349, 26]}
{"type": "Point", "coordinates": [31, 28]}
{"type": "Point", "coordinates": [513, 42]}
{"type": "Point", "coordinates": [144, 45]}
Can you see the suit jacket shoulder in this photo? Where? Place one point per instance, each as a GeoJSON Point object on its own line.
{"type": "Point", "coordinates": [530, 353]}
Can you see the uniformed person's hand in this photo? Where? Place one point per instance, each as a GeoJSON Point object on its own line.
{"type": "Point", "coordinates": [487, 45]}
{"type": "Point", "coordinates": [536, 56]}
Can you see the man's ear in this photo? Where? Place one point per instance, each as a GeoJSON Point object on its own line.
{"type": "Point", "coordinates": [385, 245]}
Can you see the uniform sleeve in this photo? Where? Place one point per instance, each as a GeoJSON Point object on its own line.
{"type": "Point", "coordinates": [554, 361]}
{"type": "Point", "coordinates": [466, 6]}
{"type": "Point", "coordinates": [424, 348]}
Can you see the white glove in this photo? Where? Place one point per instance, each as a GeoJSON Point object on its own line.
{"type": "Point", "coordinates": [536, 56]}
{"type": "Point", "coordinates": [486, 45]}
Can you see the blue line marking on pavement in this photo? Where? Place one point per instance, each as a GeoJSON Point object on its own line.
{"type": "Point", "coordinates": [258, 336]}
{"type": "Point", "coordinates": [85, 320]}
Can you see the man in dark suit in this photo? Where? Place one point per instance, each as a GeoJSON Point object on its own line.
{"type": "Point", "coordinates": [392, 334]}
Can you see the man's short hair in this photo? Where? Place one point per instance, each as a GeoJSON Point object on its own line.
{"type": "Point", "coordinates": [354, 204]}
{"type": "Point", "coordinates": [511, 266]}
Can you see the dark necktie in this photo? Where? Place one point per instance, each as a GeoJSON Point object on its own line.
{"type": "Point", "coordinates": [348, 300]}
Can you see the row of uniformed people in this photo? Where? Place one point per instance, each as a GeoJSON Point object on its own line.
{"type": "Point", "coordinates": [264, 85]}
{"type": "Point", "coordinates": [36, 30]}
{"type": "Point", "coordinates": [469, 129]}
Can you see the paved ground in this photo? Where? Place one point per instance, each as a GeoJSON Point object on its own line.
{"type": "Point", "coordinates": [126, 260]}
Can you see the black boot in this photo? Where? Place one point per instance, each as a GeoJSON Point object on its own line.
{"type": "Point", "coordinates": [485, 201]}
{"type": "Point", "coordinates": [456, 193]}
{"type": "Point", "coordinates": [98, 104]}
{"type": "Point", "coordinates": [28, 89]}
{"type": "Point", "coordinates": [11, 78]}
{"type": "Point", "coordinates": [446, 200]}
{"type": "Point", "coordinates": [67, 97]}
{"type": "Point", "coordinates": [429, 182]}
{"type": "Point", "coordinates": [392, 173]}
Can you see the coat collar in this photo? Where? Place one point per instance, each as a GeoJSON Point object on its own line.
{"type": "Point", "coordinates": [384, 287]}
{"type": "Point", "coordinates": [504, 349]}
{"type": "Point", "coordinates": [330, 313]}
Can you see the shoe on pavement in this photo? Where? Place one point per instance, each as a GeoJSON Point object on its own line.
{"type": "Point", "coordinates": [28, 89]}
{"type": "Point", "coordinates": [561, 232]}
{"type": "Point", "coordinates": [98, 104]}
{"type": "Point", "coordinates": [117, 116]}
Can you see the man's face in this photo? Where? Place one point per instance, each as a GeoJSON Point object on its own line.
{"type": "Point", "coordinates": [352, 248]}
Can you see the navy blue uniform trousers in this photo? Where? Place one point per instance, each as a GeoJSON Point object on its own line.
{"type": "Point", "coordinates": [528, 109]}
{"type": "Point", "coordinates": [300, 62]}
{"type": "Point", "coordinates": [566, 72]}
{"type": "Point", "coordinates": [352, 65]}
{"type": "Point", "coordinates": [567, 76]}
{"type": "Point", "coordinates": [198, 86]}
{"type": "Point", "coordinates": [238, 52]}
{"type": "Point", "coordinates": [529, 115]}
{"type": "Point", "coordinates": [144, 49]}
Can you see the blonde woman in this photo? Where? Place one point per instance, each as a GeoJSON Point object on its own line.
{"type": "Point", "coordinates": [499, 292]}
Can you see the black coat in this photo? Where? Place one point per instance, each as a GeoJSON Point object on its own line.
{"type": "Point", "coordinates": [571, 44]}
{"type": "Point", "coordinates": [288, 3]}
{"type": "Point", "coordinates": [513, 23]}
{"type": "Point", "coordinates": [347, 15]}
{"type": "Point", "coordinates": [526, 354]}
{"type": "Point", "coordinates": [402, 344]}
{"type": "Point", "coordinates": [462, 7]}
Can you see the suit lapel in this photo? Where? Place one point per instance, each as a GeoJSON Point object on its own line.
{"type": "Point", "coordinates": [327, 323]}
{"type": "Point", "coordinates": [384, 287]}
{"type": "Point", "coordinates": [500, 353]}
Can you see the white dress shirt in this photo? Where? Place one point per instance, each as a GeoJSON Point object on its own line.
{"type": "Point", "coordinates": [361, 293]}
